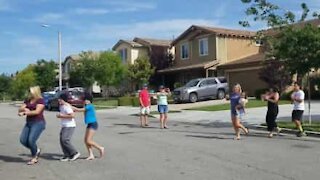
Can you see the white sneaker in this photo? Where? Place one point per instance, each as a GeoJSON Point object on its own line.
{"type": "Point", "coordinates": [75, 157]}
{"type": "Point", "coordinates": [64, 159]}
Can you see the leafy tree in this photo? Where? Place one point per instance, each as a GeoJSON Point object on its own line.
{"type": "Point", "coordinates": [109, 70]}
{"type": "Point", "coordinates": [296, 46]}
{"type": "Point", "coordinates": [140, 71]}
{"type": "Point", "coordinates": [275, 75]}
{"type": "Point", "coordinates": [22, 81]}
{"type": "Point", "coordinates": [82, 73]}
{"type": "Point", "coordinates": [5, 83]}
{"type": "Point", "coordinates": [45, 74]}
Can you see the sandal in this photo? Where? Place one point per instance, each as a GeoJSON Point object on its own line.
{"type": "Point", "coordinates": [246, 132]}
{"type": "Point", "coordinates": [32, 161]}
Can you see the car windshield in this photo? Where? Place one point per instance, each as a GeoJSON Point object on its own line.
{"type": "Point", "coordinates": [75, 93]}
{"type": "Point", "coordinates": [192, 83]}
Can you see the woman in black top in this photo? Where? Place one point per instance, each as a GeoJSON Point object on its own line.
{"type": "Point", "coordinates": [272, 96]}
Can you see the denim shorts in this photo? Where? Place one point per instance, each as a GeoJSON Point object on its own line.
{"type": "Point", "coordinates": [163, 109]}
{"type": "Point", "coordinates": [93, 126]}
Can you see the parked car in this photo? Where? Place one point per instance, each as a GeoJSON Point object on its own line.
{"type": "Point", "coordinates": [75, 98]}
{"type": "Point", "coordinates": [46, 97]}
{"type": "Point", "coordinates": [202, 88]}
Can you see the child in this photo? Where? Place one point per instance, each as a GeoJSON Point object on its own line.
{"type": "Point", "coordinates": [242, 104]}
{"type": "Point", "coordinates": [68, 126]}
{"type": "Point", "coordinates": [92, 126]}
{"type": "Point", "coordinates": [162, 101]}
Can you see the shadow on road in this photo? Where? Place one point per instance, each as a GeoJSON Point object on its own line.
{"type": "Point", "coordinates": [47, 156]}
{"type": "Point", "coordinates": [12, 159]}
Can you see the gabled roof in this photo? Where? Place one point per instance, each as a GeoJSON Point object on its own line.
{"type": "Point", "coordinates": [76, 57]}
{"type": "Point", "coordinates": [152, 42]}
{"type": "Point", "coordinates": [131, 43]}
{"type": "Point", "coordinates": [217, 31]}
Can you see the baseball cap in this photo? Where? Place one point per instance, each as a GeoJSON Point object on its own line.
{"type": "Point", "coordinates": [161, 87]}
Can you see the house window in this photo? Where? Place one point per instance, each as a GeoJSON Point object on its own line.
{"type": "Point", "coordinates": [185, 51]}
{"type": "Point", "coordinates": [259, 42]}
{"type": "Point", "coordinates": [123, 54]}
{"type": "Point", "coordinates": [203, 47]}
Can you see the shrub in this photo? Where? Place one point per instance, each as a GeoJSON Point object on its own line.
{"type": "Point", "coordinates": [135, 101]}
{"type": "Point", "coordinates": [286, 95]}
{"type": "Point", "coordinates": [259, 92]}
{"type": "Point", "coordinates": [125, 101]}
{"type": "Point", "coordinates": [177, 85]}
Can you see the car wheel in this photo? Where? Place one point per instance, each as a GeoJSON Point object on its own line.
{"type": "Point", "coordinates": [193, 97]}
{"type": "Point", "coordinates": [221, 94]}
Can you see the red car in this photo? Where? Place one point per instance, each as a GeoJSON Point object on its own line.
{"type": "Point", "coordinates": [75, 98]}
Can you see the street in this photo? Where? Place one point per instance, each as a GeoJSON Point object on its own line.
{"type": "Point", "coordinates": [185, 151]}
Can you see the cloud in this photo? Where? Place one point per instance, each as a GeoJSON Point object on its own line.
{"type": "Point", "coordinates": [127, 6]}
{"type": "Point", "coordinates": [90, 11]}
{"type": "Point", "coordinates": [156, 29]}
{"type": "Point", "coordinates": [51, 18]}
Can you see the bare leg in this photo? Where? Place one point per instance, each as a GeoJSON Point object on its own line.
{"type": "Point", "coordinates": [88, 146]}
{"type": "Point", "coordinates": [146, 122]}
{"type": "Point", "coordinates": [165, 119]}
{"type": "Point", "coordinates": [161, 120]}
{"type": "Point", "coordinates": [90, 142]}
{"type": "Point", "coordinates": [298, 125]}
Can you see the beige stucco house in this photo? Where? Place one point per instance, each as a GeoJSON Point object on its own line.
{"type": "Point", "coordinates": [200, 50]}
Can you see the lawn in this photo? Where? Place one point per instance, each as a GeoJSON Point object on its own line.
{"type": "Point", "coordinates": [105, 104]}
{"type": "Point", "coordinates": [251, 104]}
{"type": "Point", "coordinates": [315, 126]}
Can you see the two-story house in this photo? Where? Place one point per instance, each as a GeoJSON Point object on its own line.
{"type": "Point", "coordinates": [199, 50]}
{"type": "Point", "coordinates": [156, 50]}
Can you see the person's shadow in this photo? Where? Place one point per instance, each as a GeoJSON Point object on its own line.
{"type": "Point", "coordinates": [12, 159]}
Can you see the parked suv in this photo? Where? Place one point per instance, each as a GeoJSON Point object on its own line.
{"type": "Point", "coordinates": [202, 88]}
{"type": "Point", "coordinates": [75, 98]}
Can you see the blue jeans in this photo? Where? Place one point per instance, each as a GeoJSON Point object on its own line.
{"type": "Point", "coordinates": [30, 134]}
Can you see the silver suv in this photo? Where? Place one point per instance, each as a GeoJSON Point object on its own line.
{"type": "Point", "coordinates": [202, 88]}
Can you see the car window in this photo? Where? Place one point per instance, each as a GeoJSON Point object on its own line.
{"type": "Point", "coordinates": [203, 83]}
{"type": "Point", "coordinates": [222, 80]}
{"type": "Point", "coordinates": [211, 82]}
{"type": "Point", "coordinates": [192, 83]}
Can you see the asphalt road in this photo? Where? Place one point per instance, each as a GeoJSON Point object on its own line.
{"type": "Point", "coordinates": [185, 151]}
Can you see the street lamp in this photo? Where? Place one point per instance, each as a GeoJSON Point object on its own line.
{"type": "Point", "coordinates": [59, 54]}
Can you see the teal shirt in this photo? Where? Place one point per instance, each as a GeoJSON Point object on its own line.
{"type": "Point", "coordinates": [162, 98]}
{"type": "Point", "coordinates": [90, 114]}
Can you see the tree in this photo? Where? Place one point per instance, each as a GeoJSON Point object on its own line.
{"type": "Point", "coordinates": [275, 75]}
{"type": "Point", "coordinates": [109, 70]}
{"type": "Point", "coordinates": [22, 81]}
{"type": "Point", "coordinates": [45, 74]}
{"type": "Point", "coordinates": [5, 83]}
{"type": "Point", "coordinates": [295, 45]}
{"type": "Point", "coordinates": [140, 71]}
{"type": "Point", "coordinates": [82, 73]}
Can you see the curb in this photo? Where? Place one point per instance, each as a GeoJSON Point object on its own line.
{"type": "Point", "coordinates": [288, 131]}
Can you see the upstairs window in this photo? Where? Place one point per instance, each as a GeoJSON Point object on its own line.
{"type": "Point", "coordinates": [259, 42]}
{"type": "Point", "coordinates": [185, 51]}
{"type": "Point", "coordinates": [123, 54]}
{"type": "Point", "coordinates": [203, 47]}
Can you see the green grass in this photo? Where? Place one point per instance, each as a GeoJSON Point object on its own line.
{"type": "Point", "coordinates": [251, 104]}
{"type": "Point", "coordinates": [105, 104]}
{"type": "Point", "coordinates": [315, 126]}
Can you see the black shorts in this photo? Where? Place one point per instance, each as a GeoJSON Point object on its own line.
{"type": "Point", "coordinates": [93, 126]}
{"type": "Point", "coordinates": [297, 115]}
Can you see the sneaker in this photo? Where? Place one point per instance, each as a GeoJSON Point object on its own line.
{"type": "Point", "coordinates": [75, 157]}
{"type": "Point", "coordinates": [64, 159]}
{"type": "Point", "coordinates": [301, 134]}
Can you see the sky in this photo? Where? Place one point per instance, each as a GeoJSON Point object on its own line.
{"type": "Point", "coordinates": [98, 24]}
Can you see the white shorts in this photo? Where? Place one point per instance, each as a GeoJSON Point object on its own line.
{"type": "Point", "coordinates": [145, 110]}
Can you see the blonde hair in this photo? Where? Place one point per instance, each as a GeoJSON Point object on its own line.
{"type": "Point", "coordinates": [35, 92]}
{"type": "Point", "coordinates": [237, 86]}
